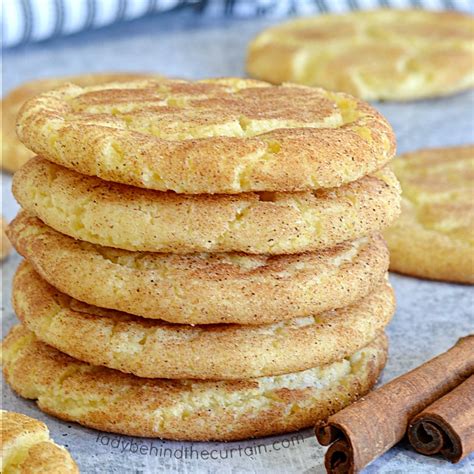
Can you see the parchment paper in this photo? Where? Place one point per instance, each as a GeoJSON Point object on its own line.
{"type": "Point", "coordinates": [430, 317]}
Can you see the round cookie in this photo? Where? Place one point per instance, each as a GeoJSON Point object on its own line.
{"type": "Point", "coordinates": [27, 447]}
{"type": "Point", "coordinates": [202, 288]}
{"type": "Point", "coordinates": [434, 237]}
{"type": "Point", "coordinates": [93, 210]}
{"type": "Point", "coordinates": [378, 54]}
{"type": "Point", "coordinates": [156, 349]}
{"type": "Point", "coordinates": [108, 400]}
{"type": "Point", "coordinates": [14, 153]}
{"type": "Point", "coordinates": [214, 136]}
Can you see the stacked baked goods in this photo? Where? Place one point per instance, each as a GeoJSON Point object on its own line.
{"type": "Point", "coordinates": [203, 259]}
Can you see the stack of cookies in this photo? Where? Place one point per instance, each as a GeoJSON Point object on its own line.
{"type": "Point", "coordinates": [203, 259]}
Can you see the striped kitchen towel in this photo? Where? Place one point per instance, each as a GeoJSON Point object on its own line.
{"type": "Point", "coordinates": [24, 21]}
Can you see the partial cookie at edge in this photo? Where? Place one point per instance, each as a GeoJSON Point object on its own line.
{"type": "Point", "coordinates": [6, 246]}
{"type": "Point", "coordinates": [434, 237]}
{"type": "Point", "coordinates": [27, 447]}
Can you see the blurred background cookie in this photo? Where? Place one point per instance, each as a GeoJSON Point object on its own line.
{"type": "Point", "coordinates": [379, 54]}
{"type": "Point", "coordinates": [434, 237]}
{"type": "Point", "coordinates": [27, 447]}
{"type": "Point", "coordinates": [6, 245]}
{"type": "Point", "coordinates": [14, 153]}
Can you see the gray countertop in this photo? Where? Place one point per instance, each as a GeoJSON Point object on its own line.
{"type": "Point", "coordinates": [430, 317]}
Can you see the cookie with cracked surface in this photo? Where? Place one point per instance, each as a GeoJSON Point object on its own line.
{"type": "Point", "coordinates": [202, 288]}
{"type": "Point", "coordinates": [156, 349]}
{"type": "Point", "coordinates": [90, 209]}
{"type": "Point", "coordinates": [14, 153]}
{"type": "Point", "coordinates": [212, 136]}
{"type": "Point", "coordinates": [379, 54]}
{"type": "Point", "coordinates": [434, 237]}
{"type": "Point", "coordinates": [109, 400]}
{"type": "Point", "coordinates": [27, 447]}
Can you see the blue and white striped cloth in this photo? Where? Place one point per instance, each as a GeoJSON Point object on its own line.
{"type": "Point", "coordinates": [24, 21]}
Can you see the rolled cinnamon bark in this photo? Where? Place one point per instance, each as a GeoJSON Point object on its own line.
{"type": "Point", "coordinates": [368, 428]}
{"type": "Point", "coordinates": [446, 426]}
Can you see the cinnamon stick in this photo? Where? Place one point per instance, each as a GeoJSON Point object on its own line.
{"type": "Point", "coordinates": [371, 426]}
{"type": "Point", "coordinates": [446, 426]}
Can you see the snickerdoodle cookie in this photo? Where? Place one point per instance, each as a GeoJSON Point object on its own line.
{"type": "Point", "coordinates": [434, 237]}
{"type": "Point", "coordinates": [212, 136]}
{"type": "Point", "coordinates": [115, 215]}
{"type": "Point", "coordinates": [27, 447]}
{"type": "Point", "coordinates": [109, 400]}
{"type": "Point", "coordinates": [378, 54]}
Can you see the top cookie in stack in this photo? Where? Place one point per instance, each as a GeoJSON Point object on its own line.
{"type": "Point", "coordinates": [218, 201]}
{"type": "Point", "coordinates": [217, 136]}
